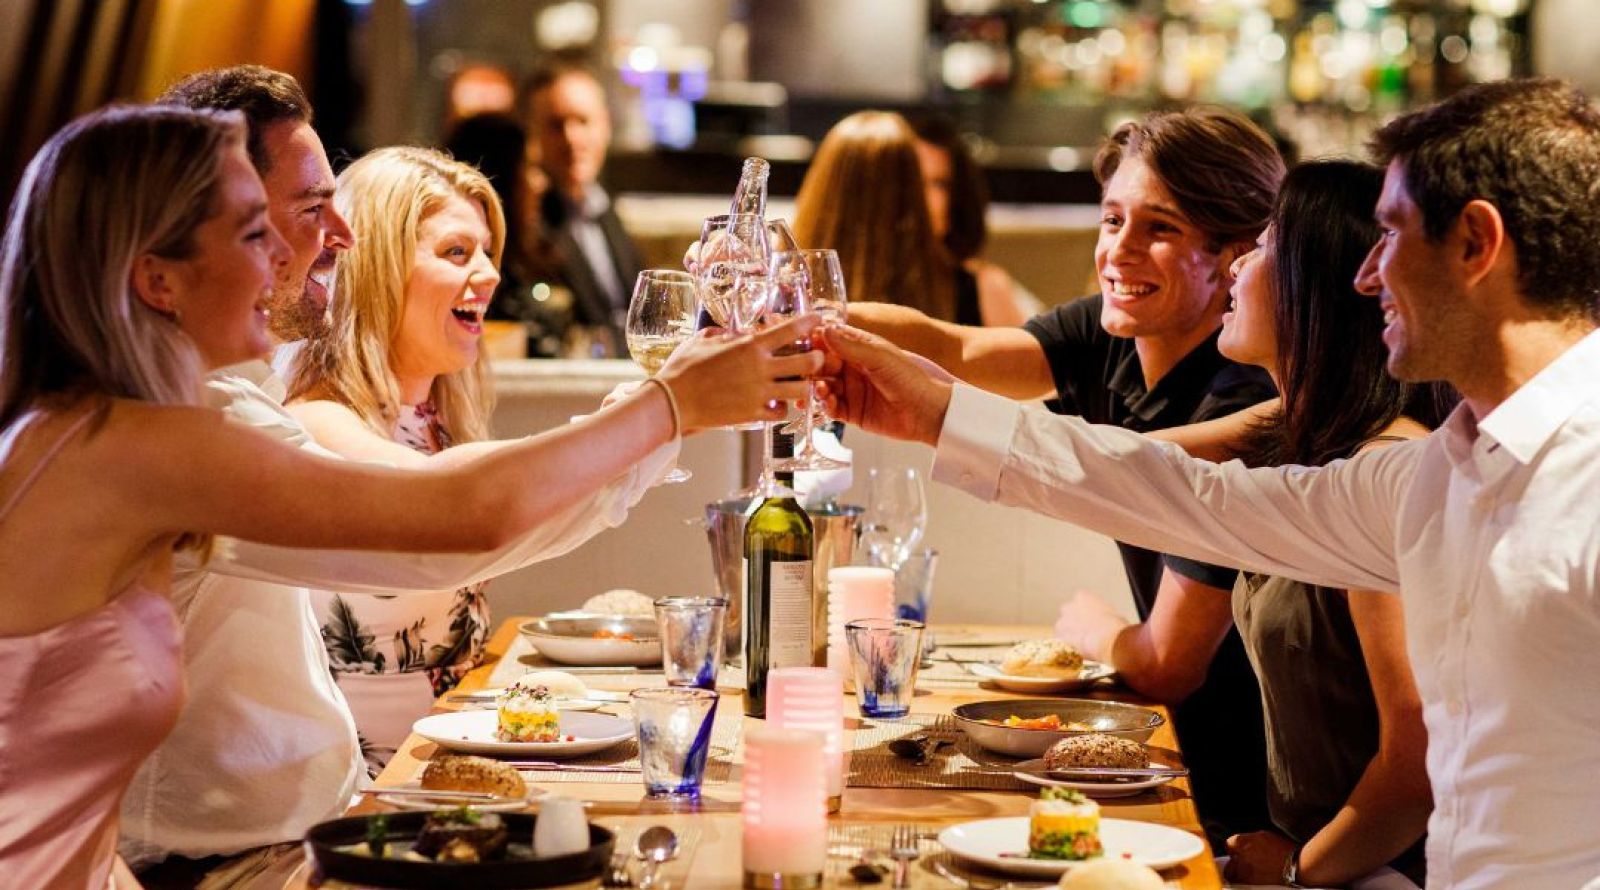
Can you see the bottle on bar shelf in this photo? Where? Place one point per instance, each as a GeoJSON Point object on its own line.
{"type": "Point", "coordinates": [778, 581]}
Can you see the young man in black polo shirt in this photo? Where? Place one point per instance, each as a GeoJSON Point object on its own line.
{"type": "Point", "coordinates": [1184, 194]}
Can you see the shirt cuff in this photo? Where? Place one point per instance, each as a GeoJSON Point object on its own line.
{"type": "Point", "coordinates": [975, 440]}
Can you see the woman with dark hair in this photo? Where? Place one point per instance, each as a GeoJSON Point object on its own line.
{"type": "Point", "coordinates": [1347, 785]}
{"type": "Point", "coordinates": [958, 205]}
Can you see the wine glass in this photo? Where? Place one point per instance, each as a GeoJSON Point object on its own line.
{"type": "Point", "coordinates": [732, 269]}
{"type": "Point", "coordinates": [661, 317]}
{"type": "Point", "coordinates": [792, 288]}
{"type": "Point", "coordinates": [829, 300]}
{"type": "Point", "coordinates": [897, 515]}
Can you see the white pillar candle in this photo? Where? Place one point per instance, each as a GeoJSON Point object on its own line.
{"type": "Point", "coordinates": [812, 699]}
{"type": "Point", "coordinates": [785, 813]}
{"type": "Point", "coordinates": [855, 592]}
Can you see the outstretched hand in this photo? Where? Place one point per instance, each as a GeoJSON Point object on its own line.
{"type": "Point", "coordinates": [722, 379]}
{"type": "Point", "coordinates": [869, 382]}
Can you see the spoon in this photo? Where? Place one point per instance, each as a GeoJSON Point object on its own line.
{"type": "Point", "coordinates": [655, 845]}
{"type": "Point", "coordinates": [914, 748]}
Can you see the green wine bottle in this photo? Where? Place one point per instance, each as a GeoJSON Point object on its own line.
{"type": "Point", "coordinates": [777, 557]}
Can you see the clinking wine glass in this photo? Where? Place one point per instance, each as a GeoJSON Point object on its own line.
{"type": "Point", "coordinates": [731, 271]}
{"type": "Point", "coordinates": [661, 317]}
{"type": "Point", "coordinates": [830, 301]}
{"type": "Point", "coordinates": [793, 281]}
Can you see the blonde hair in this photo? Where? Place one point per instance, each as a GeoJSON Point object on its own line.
{"type": "Point", "coordinates": [385, 196]}
{"type": "Point", "coordinates": [864, 197]}
{"type": "Point", "coordinates": [107, 188]}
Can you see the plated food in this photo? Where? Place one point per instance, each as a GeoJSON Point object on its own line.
{"type": "Point", "coordinates": [622, 602]}
{"type": "Point", "coordinates": [452, 772]}
{"type": "Point", "coordinates": [1086, 675]}
{"type": "Point", "coordinates": [1042, 658]}
{"type": "Point", "coordinates": [1063, 824]}
{"type": "Point", "coordinates": [1096, 749]}
{"type": "Point", "coordinates": [452, 848]}
{"type": "Point", "coordinates": [986, 722]}
{"type": "Point", "coordinates": [527, 713]}
{"type": "Point", "coordinates": [1002, 844]}
{"type": "Point", "coordinates": [477, 732]}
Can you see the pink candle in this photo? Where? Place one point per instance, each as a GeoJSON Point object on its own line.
{"type": "Point", "coordinates": [812, 699]}
{"type": "Point", "coordinates": [855, 592]}
{"type": "Point", "coordinates": [785, 811]}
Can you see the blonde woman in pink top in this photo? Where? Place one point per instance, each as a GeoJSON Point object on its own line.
{"type": "Point", "coordinates": [137, 253]}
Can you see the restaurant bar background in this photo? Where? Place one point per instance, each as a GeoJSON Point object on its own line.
{"type": "Point", "coordinates": [697, 85]}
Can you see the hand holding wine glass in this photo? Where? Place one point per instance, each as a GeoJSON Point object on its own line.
{"type": "Point", "coordinates": [661, 317]}
{"type": "Point", "coordinates": [792, 281]}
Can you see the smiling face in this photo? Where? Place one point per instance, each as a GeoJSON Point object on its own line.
{"type": "Point", "coordinates": [1428, 327]}
{"type": "Point", "coordinates": [220, 292]}
{"type": "Point", "coordinates": [299, 187]}
{"type": "Point", "coordinates": [447, 291]}
{"type": "Point", "coordinates": [1156, 275]}
{"type": "Point", "coordinates": [1249, 327]}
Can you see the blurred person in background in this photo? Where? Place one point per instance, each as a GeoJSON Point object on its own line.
{"type": "Point", "coordinates": [1183, 195]}
{"type": "Point", "coordinates": [565, 106]}
{"type": "Point", "coordinates": [958, 204]}
{"type": "Point", "coordinates": [497, 145]}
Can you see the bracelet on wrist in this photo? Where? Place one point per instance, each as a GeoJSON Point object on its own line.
{"type": "Point", "coordinates": [672, 405]}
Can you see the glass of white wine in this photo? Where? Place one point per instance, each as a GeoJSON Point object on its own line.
{"type": "Point", "coordinates": [661, 316]}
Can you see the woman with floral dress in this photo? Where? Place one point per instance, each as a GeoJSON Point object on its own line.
{"type": "Point", "coordinates": [399, 375]}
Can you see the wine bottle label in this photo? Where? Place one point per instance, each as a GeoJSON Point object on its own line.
{"type": "Point", "coordinates": [789, 618]}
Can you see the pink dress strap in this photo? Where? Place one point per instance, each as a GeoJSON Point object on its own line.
{"type": "Point", "coordinates": [10, 440]}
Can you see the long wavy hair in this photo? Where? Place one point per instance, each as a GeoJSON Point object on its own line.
{"type": "Point", "coordinates": [1337, 393]}
{"type": "Point", "coordinates": [863, 197]}
{"type": "Point", "coordinates": [385, 196]}
{"type": "Point", "coordinates": [107, 188]}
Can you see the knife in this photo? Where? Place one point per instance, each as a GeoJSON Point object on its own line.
{"type": "Point", "coordinates": [554, 766]}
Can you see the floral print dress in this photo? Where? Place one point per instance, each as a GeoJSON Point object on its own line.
{"type": "Point", "coordinates": [393, 655]}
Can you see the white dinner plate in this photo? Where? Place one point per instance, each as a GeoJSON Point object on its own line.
{"type": "Point", "coordinates": [1033, 771]}
{"type": "Point", "coordinates": [472, 732]}
{"type": "Point", "coordinates": [1002, 844]}
{"type": "Point", "coordinates": [1092, 671]}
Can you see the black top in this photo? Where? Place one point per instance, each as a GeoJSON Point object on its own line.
{"type": "Point", "coordinates": [1098, 377]}
{"type": "Point", "coordinates": [968, 309]}
{"type": "Point", "coordinates": [591, 305]}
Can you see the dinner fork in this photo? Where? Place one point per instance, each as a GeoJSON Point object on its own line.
{"type": "Point", "coordinates": [903, 850]}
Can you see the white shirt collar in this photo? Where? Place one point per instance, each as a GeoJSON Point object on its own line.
{"type": "Point", "coordinates": [258, 372]}
{"type": "Point", "coordinates": [1525, 422]}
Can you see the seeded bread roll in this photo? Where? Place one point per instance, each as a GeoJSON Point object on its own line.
{"type": "Point", "coordinates": [460, 773]}
{"type": "Point", "coordinates": [1096, 749]}
{"type": "Point", "coordinates": [1043, 658]}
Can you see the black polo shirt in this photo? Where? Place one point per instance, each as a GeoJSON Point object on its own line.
{"type": "Point", "coordinates": [1099, 378]}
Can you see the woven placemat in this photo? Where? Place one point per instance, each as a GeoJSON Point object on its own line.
{"type": "Point", "coordinates": [961, 764]}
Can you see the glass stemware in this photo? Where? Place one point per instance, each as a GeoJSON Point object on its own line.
{"type": "Point", "coordinates": [896, 516]}
{"type": "Point", "coordinates": [732, 270]}
{"type": "Point", "coordinates": [829, 300]}
{"type": "Point", "coordinates": [795, 280]}
{"type": "Point", "coordinates": [661, 317]}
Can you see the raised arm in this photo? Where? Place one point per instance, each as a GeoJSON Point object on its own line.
{"type": "Point", "coordinates": [1332, 525]}
{"type": "Point", "coordinates": [1217, 439]}
{"type": "Point", "coordinates": [1003, 360]}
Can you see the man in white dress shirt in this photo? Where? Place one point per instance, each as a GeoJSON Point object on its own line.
{"type": "Point", "coordinates": [266, 745]}
{"type": "Point", "coordinates": [1488, 273]}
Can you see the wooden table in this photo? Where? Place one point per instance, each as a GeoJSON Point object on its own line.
{"type": "Point", "coordinates": [716, 860]}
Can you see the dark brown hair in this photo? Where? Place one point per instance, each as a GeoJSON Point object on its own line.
{"type": "Point", "coordinates": [1532, 149]}
{"type": "Point", "coordinates": [969, 192]}
{"type": "Point", "coordinates": [1222, 170]}
{"type": "Point", "coordinates": [262, 95]}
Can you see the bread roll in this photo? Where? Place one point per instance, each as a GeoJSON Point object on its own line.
{"type": "Point", "coordinates": [1043, 658]}
{"type": "Point", "coordinates": [1111, 874]}
{"type": "Point", "coordinates": [561, 684]}
{"type": "Point", "coordinates": [1096, 749]}
{"type": "Point", "coordinates": [452, 772]}
{"type": "Point", "coordinates": [621, 601]}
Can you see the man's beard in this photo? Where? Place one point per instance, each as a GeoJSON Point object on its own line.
{"type": "Point", "coordinates": [296, 317]}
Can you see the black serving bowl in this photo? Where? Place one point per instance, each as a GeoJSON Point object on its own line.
{"type": "Point", "coordinates": [323, 843]}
